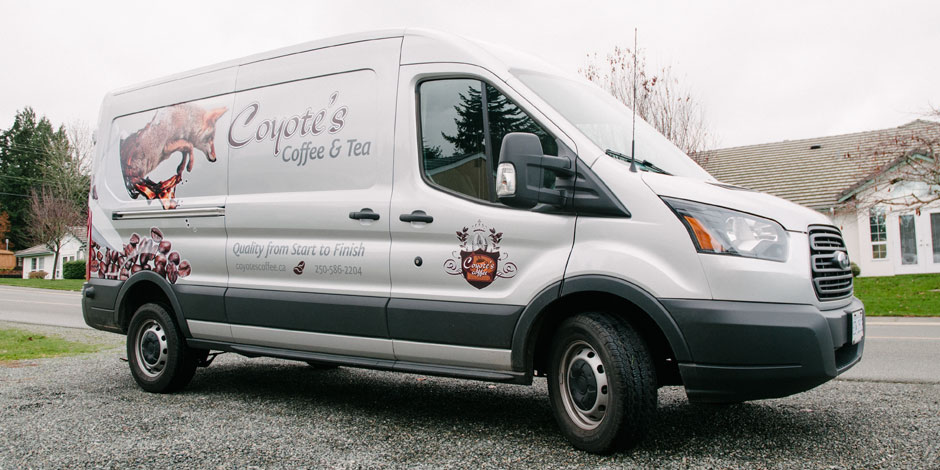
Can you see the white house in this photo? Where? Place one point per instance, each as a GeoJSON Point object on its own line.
{"type": "Point", "coordinates": [40, 257]}
{"type": "Point", "coordinates": [851, 178]}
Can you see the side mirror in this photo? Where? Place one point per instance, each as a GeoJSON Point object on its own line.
{"type": "Point", "coordinates": [519, 175]}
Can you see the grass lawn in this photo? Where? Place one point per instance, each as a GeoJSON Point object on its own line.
{"type": "Point", "coordinates": [18, 344]}
{"type": "Point", "coordinates": [58, 284]}
{"type": "Point", "coordinates": [906, 295]}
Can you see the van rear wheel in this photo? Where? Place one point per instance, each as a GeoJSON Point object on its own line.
{"type": "Point", "coordinates": [157, 354]}
{"type": "Point", "coordinates": [601, 383]}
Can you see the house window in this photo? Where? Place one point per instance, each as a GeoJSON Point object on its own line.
{"type": "Point", "coordinates": [33, 264]}
{"type": "Point", "coordinates": [42, 263]}
{"type": "Point", "coordinates": [879, 233]}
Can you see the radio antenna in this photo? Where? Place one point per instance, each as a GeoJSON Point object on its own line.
{"type": "Point", "coordinates": [633, 139]}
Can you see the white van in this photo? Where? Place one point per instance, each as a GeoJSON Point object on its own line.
{"type": "Point", "coordinates": [411, 201]}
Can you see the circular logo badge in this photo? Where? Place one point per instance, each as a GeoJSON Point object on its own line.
{"type": "Point", "coordinates": [841, 260]}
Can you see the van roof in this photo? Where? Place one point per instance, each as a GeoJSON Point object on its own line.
{"type": "Point", "coordinates": [424, 45]}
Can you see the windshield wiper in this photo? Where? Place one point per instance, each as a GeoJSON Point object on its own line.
{"type": "Point", "coordinates": [643, 163]}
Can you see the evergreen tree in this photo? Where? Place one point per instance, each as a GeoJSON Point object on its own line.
{"type": "Point", "coordinates": [24, 153]}
{"type": "Point", "coordinates": [503, 117]}
{"type": "Point", "coordinates": [469, 138]}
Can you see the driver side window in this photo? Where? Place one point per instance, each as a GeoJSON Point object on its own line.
{"type": "Point", "coordinates": [463, 122]}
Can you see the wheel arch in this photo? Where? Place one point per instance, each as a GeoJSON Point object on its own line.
{"type": "Point", "coordinates": [144, 287]}
{"type": "Point", "coordinates": [633, 304]}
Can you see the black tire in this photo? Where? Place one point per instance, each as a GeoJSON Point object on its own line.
{"type": "Point", "coordinates": [593, 348]}
{"type": "Point", "coordinates": [322, 365]}
{"type": "Point", "coordinates": [157, 354]}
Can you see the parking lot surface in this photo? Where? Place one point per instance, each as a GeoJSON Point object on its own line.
{"type": "Point", "coordinates": [86, 411]}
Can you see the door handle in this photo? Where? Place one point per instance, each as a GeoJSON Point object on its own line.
{"type": "Point", "coordinates": [416, 216]}
{"type": "Point", "coordinates": [364, 214]}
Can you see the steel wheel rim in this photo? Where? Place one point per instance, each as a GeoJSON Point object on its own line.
{"type": "Point", "coordinates": [151, 348]}
{"type": "Point", "coordinates": [583, 384]}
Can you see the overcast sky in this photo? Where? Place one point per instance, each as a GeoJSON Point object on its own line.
{"type": "Point", "coordinates": [764, 71]}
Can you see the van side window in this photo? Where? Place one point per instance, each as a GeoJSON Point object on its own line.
{"type": "Point", "coordinates": [463, 122]}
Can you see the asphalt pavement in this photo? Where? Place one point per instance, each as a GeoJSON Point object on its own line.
{"type": "Point", "coordinates": [41, 306]}
{"type": "Point", "coordinates": [899, 350]}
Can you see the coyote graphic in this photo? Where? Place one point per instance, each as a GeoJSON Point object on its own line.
{"type": "Point", "coordinates": [179, 128]}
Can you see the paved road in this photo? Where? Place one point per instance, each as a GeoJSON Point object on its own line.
{"type": "Point", "coordinates": [904, 350]}
{"type": "Point", "coordinates": [41, 306]}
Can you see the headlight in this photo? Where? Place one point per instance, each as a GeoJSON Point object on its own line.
{"type": "Point", "coordinates": [723, 231]}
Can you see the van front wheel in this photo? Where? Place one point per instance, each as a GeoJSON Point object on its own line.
{"type": "Point", "coordinates": [157, 354]}
{"type": "Point", "coordinates": [601, 383]}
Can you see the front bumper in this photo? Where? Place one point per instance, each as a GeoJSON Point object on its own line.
{"type": "Point", "coordinates": [749, 350]}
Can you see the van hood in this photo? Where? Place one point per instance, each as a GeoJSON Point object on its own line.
{"type": "Point", "coordinates": [792, 217]}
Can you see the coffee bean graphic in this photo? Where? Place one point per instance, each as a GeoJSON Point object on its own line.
{"type": "Point", "coordinates": [185, 269]}
{"type": "Point", "coordinates": [164, 246]}
{"type": "Point", "coordinates": [174, 257]}
{"type": "Point", "coordinates": [299, 269]}
{"type": "Point", "coordinates": [171, 273]}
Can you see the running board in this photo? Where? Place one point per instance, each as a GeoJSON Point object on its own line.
{"type": "Point", "coordinates": [367, 363]}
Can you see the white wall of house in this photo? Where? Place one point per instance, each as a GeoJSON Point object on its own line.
{"type": "Point", "coordinates": [910, 243]}
{"type": "Point", "coordinates": [72, 250]}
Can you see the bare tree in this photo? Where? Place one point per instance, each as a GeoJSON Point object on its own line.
{"type": "Point", "coordinates": [899, 168]}
{"type": "Point", "coordinates": [661, 99]}
{"type": "Point", "coordinates": [51, 217]}
{"type": "Point", "coordinates": [67, 167]}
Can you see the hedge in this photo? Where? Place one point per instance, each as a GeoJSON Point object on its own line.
{"type": "Point", "coordinates": [74, 269]}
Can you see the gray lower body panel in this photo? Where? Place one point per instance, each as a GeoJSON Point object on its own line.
{"type": "Point", "coordinates": [749, 350]}
{"type": "Point", "coordinates": [344, 345]}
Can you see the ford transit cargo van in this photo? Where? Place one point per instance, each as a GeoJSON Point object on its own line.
{"type": "Point", "coordinates": [412, 201]}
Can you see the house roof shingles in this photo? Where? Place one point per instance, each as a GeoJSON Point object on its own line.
{"type": "Point", "coordinates": [78, 232]}
{"type": "Point", "coordinates": [812, 172]}
{"type": "Point", "coordinates": [34, 251]}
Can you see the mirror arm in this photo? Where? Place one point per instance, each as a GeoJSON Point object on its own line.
{"type": "Point", "coordinates": [560, 165]}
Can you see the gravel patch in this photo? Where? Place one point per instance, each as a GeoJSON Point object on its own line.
{"type": "Point", "coordinates": [87, 412]}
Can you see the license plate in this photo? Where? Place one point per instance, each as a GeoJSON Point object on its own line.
{"type": "Point", "coordinates": [858, 326]}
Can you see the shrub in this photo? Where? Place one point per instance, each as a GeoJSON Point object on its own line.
{"type": "Point", "coordinates": [856, 270]}
{"type": "Point", "coordinates": [74, 269]}
{"type": "Point", "coordinates": [38, 275]}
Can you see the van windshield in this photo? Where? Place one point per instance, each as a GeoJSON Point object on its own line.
{"type": "Point", "coordinates": [608, 122]}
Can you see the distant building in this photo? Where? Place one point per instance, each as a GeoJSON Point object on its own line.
{"type": "Point", "coordinates": [837, 175]}
{"type": "Point", "coordinates": [41, 258]}
{"type": "Point", "coordinates": [7, 260]}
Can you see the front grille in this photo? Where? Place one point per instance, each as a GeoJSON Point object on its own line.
{"type": "Point", "coordinates": [830, 281]}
